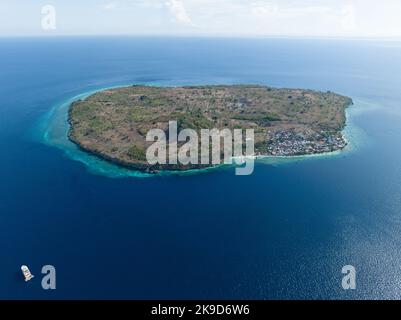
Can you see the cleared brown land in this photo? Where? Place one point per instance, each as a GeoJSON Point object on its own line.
{"type": "Point", "coordinates": [113, 123]}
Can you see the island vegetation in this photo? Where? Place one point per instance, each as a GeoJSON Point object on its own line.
{"type": "Point", "coordinates": [287, 122]}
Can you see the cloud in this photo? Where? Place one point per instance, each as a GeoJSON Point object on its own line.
{"type": "Point", "coordinates": [264, 10]}
{"type": "Point", "coordinates": [260, 9]}
{"type": "Point", "coordinates": [179, 12]}
{"type": "Point", "coordinates": [109, 6]}
{"type": "Point", "coordinates": [308, 18]}
{"type": "Point", "coordinates": [348, 20]}
{"type": "Point", "coordinates": [355, 18]}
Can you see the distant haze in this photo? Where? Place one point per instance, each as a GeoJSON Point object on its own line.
{"type": "Point", "coordinates": [315, 18]}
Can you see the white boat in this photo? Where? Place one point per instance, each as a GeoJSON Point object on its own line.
{"type": "Point", "coordinates": [27, 274]}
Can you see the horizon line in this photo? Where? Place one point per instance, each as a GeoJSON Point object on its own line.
{"type": "Point", "coordinates": [228, 36]}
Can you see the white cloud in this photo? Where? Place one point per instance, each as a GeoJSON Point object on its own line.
{"type": "Point", "coordinates": [109, 6]}
{"type": "Point", "coordinates": [264, 10]}
{"type": "Point", "coordinates": [179, 12]}
{"type": "Point", "coordinates": [308, 18]}
{"type": "Point", "coordinates": [365, 18]}
{"type": "Point", "coordinates": [260, 9]}
{"type": "Point", "coordinates": [348, 20]}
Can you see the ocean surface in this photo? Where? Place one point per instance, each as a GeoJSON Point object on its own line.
{"type": "Point", "coordinates": [284, 232]}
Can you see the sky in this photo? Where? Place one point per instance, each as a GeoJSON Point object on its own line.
{"type": "Point", "coordinates": [301, 18]}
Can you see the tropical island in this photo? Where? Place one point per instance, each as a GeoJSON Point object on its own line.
{"type": "Point", "coordinates": [113, 123]}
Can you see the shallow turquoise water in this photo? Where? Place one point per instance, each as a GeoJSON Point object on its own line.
{"type": "Point", "coordinates": [53, 130]}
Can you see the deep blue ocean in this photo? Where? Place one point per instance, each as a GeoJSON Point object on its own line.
{"type": "Point", "coordinates": [284, 232]}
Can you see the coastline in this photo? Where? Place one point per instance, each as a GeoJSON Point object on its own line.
{"type": "Point", "coordinates": [56, 122]}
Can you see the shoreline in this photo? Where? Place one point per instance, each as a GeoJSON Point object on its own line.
{"type": "Point", "coordinates": [114, 168]}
